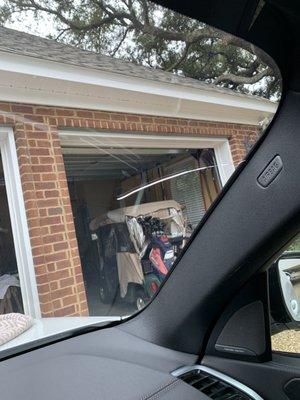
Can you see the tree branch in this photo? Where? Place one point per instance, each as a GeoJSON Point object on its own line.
{"type": "Point", "coordinates": [145, 8]}
{"type": "Point", "coordinates": [33, 6]}
{"type": "Point", "coordinates": [112, 14]}
{"type": "Point", "coordinates": [181, 59]}
{"type": "Point", "coordinates": [239, 79]}
{"type": "Point", "coordinates": [61, 33]}
{"type": "Point", "coordinates": [121, 42]}
{"type": "Point", "coordinates": [136, 16]}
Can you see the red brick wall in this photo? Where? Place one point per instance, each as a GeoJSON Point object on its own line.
{"type": "Point", "coordinates": [46, 196]}
{"type": "Point", "coordinates": [240, 139]}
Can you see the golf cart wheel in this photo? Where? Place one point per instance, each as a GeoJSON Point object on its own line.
{"type": "Point", "coordinates": [141, 299]}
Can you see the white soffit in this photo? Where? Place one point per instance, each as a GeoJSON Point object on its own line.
{"type": "Point", "coordinates": [35, 81]}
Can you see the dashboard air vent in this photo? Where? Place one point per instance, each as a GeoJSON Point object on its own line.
{"type": "Point", "coordinates": [212, 386]}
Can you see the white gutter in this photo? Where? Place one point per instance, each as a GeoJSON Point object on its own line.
{"type": "Point", "coordinates": [186, 97]}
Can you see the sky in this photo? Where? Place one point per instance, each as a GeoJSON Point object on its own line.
{"type": "Point", "coordinates": [28, 24]}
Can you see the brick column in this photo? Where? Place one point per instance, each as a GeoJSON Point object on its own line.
{"type": "Point", "coordinates": [50, 220]}
{"type": "Point", "coordinates": [242, 137]}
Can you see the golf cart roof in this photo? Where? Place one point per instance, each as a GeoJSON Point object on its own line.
{"type": "Point", "coordinates": [119, 215]}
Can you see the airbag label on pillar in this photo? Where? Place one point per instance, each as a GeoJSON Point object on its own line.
{"type": "Point", "coordinates": [270, 172]}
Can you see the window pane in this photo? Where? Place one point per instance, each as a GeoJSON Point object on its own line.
{"type": "Point", "coordinates": [134, 210]}
{"type": "Point", "coordinates": [125, 136]}
{"type": "Point", "coordinates": [10, 292]}
{"type": "Point", "coordinates": [285, 300]}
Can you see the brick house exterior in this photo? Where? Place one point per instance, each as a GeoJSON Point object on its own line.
{"type": "Point", "coordinates": [46, 196]}
{"type": "Point", "coordinates": [48, 209]}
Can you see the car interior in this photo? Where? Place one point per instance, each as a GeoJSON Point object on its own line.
{"type": "Point", "coordinates": [206, 334]}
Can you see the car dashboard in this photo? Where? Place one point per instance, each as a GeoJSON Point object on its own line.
{"type": "Point", "coordinates": [111, 364]}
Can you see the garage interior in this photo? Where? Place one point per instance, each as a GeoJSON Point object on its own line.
{"type": "Point", "coordinates": [102, 170]}
{"type": "Point", "coordinates": [10, 292]}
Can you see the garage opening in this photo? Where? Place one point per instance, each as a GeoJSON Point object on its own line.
{"type": "Point", "coordinates": [10, 292]}
{"type": "Point", "coordinates": [135, 204]}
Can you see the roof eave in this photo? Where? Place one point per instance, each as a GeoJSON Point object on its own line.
{"type": "Point", "coordinates": [126, 94]}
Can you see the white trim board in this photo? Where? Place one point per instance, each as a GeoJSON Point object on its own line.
{"type": "Point", "coordinates": [19, 223]}
{"type": "Point", "coordinates": [85, 139]}
{"type": "Point", "coordinates": [31, 80]}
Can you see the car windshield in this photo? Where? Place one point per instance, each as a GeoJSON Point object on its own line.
{"type": "Point", "coordinates": [120, 123]}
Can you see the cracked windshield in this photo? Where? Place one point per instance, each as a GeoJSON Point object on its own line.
{"type": "Point", "coordinates": [120, 122]}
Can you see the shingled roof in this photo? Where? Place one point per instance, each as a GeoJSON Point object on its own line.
{"type": "Point", "coordinates": [16, 42]}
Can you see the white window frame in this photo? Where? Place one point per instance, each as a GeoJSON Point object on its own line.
{"type": "Point", "coordinates": [19, 224]}
{"type": "Point", "coordinates": [109, 139]}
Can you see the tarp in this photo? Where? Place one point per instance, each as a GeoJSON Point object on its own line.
{"type": "Point", "coordinates": [129, 270]}
{"type": "Point", "coordinates": [5, 282]}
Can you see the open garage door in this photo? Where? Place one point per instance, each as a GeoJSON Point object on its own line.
{"type": "Point", "coordinates": [107, 176]}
